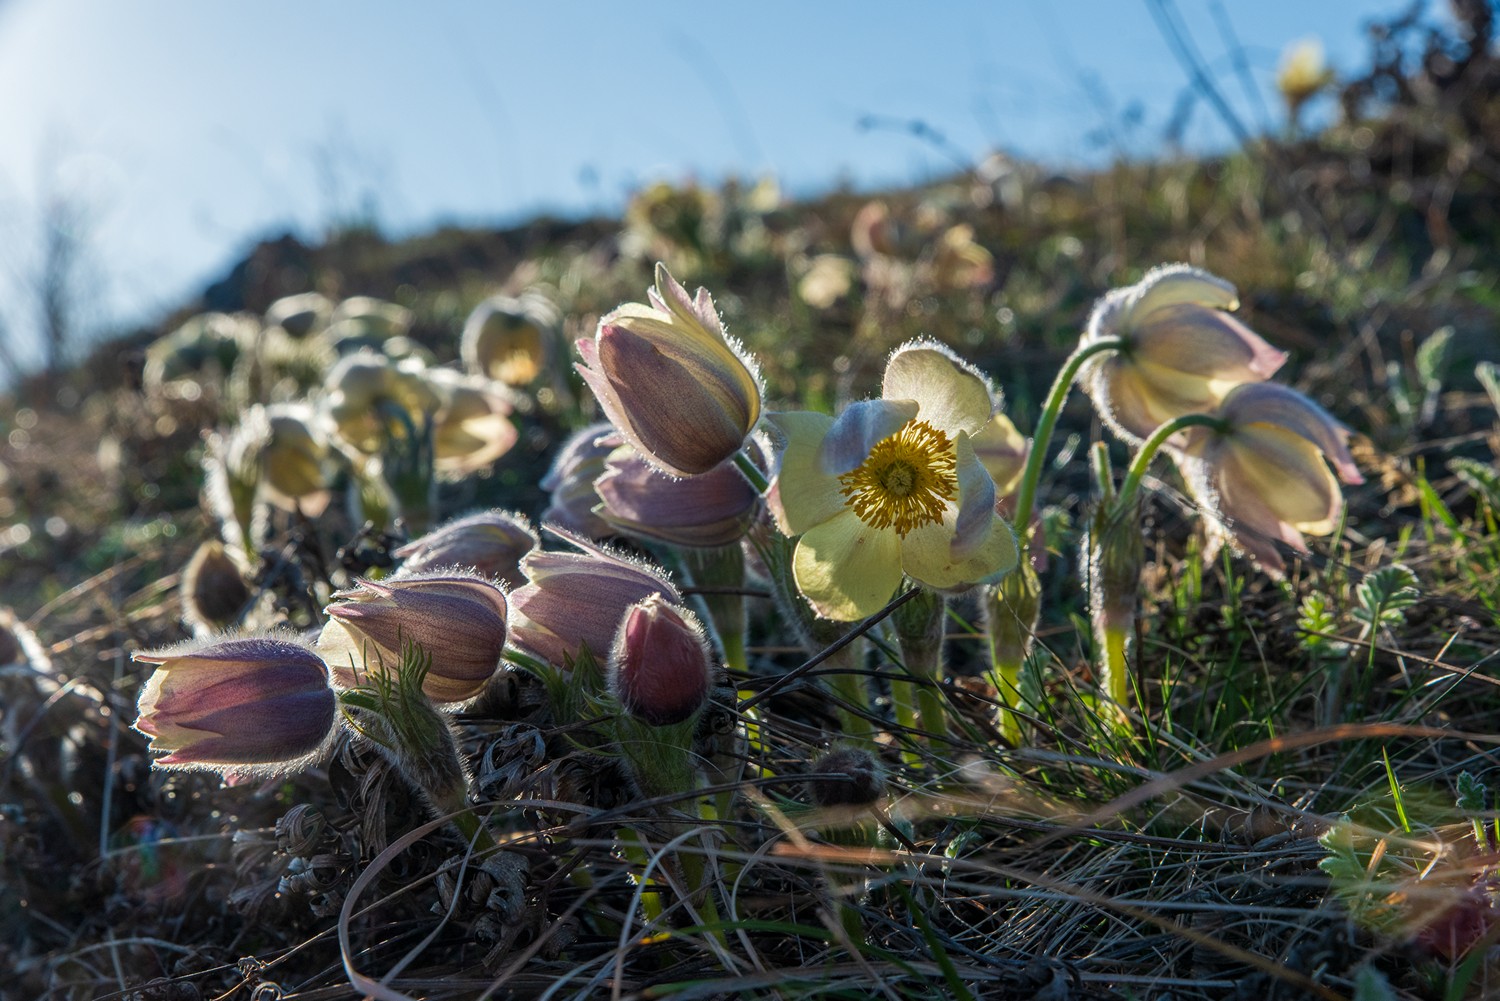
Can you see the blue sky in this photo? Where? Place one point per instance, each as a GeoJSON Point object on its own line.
{"type": "Point", "coordinates": [191, 128]}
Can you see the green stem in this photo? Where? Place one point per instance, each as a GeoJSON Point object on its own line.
{"type": "Point", "coordinates": [1037, 457]}
{"type": "Point", "coordinates": [1005, 677]}
{"type": "Point", "coordinates": [751, 471]}
{"type": "Point", "coordinates": [919, 632]}
{"type": "Point", "coordinates": [1115, 670]}
{"type": "Point", "coordinates": [1153, 444]}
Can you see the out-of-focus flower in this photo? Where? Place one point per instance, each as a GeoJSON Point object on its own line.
{"type": "Point", "coordinates": [472, 427]}
{"type": "Point", "coordinates": [892, 486]}
{"type": "Point", "coordinates": [300, 315]}
{"type": "Point", "coordinates": [958, 262]}
{"type": "Point", "coordinates": [570, 481]}
{"type": "Point", "coordinates": [362, 322]}
{"type": "Point", "coordinates": [490, 543]}
{"type": "Point", "coordinates": [297, 461]}
{"type": "Point", "coordinates": [260, 703]}
{"type": "Point", "coordinates": [1002, 451]}
{"type": "Point", "coordinates": [459, 619]}
{"type": "Point", "coordinates": [660, 666]}
{"type": "Point", "coordinates": [370, 399]}
{"type": "Point", "coordinates": [1264, 469]}
{"type": "Point", "coordinates": [575, 600]}
{"type": "Point", "coordinates": [1302, 73]}
{"type": "Point", "coordinates": [511, 340]}
{"type": "Point", "coordinates": [714, 509]}
{"type": "Point", "coordinates": [1182, 352]}
{"type": "Point", "coordinates": [213, 588]}
{"type": "Point", "coordinates": [203, 348]}
{"type": "Point", "coordinates": [670, 380]}
{"type": "Point", "coordinates": [873, 232]}
{"type": "Point", "coordinates": [828, 279]}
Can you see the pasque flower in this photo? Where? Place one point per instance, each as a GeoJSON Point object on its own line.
{"type": "Point", "coordinates": [1263, 469]}
{"type": "Point", "coordinates": [511, 340]}
{"type": "Point", "coordinates": [570, 481]}
{"type": "Point", "coordinates": [660, 666]}
{"type": "Point", "coordinates": [668, 377]}
{"type": "Point", "coordinates": [892, 486]}
{"type": "Point", "coordinates": [713, 509]}
{"type": "Point", "coordinates": [576, 600]}
{"type": "Point", "coordinates": [257, 701]}
{"type": "Point", "coordinates": [1182, 353]}
{"type": "Point", "coordinates": [490, 543]}
{"type": "Point", "coordinates": [472, 427]}
{"type": "Point", "coordinates": [459, 619]}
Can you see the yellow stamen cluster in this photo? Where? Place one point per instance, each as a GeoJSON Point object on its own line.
{"type": "Point", "coordinates": [905, 479]}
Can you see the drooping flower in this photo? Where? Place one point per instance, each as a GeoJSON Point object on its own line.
{"type": "Point", "coordinates": [713, 509]}
{"type": "Point", "coordinates": [300, 315]}
{"type": "Point", "coordinates": [213, 590]}
{"type": "Point", "coordinates": [1264, 472]}
{"type": "Point", "coordinates": [472, 427]}
{"type": "Point", "coordinates": [892, 486]}
{"type": "Point", "coordinates": [671, 381]}
{"type": "Point", "coordinates": [660, 666]}
{"type": "Point", "coordinates": [297, 463]}
{"type": "Point", "coordinates": [576, 600]}
{"type": "Point", "coordinates": [261, 702]}
{"type": "Point", "coordinates": [459, 619]}
{"type": "Point", "coordinates": [1303, 72]}
{"type": "Point", "coordinates": [490, 543]}
{"type": "Point", "coordinates": [370, 399]}
{"type": "Point", "coordinates": [1182, 351]}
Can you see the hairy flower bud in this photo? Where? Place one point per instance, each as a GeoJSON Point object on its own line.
{"type": "Point", "coordinates": [258, 701]}
{"type": "Point", "coordinates": [570, 481]}
{"type": "Point", "coordinates": [660, 667]}
{"type": "Point", "coordinates": [576, 600]}
{"type": "Point", "coordinates": [666, 375]}
{"type": "Point", "coordinates": [213, 588]}
{"type": "Point", "coordinates": [458, 619]}
{"type": "Point", "coordinates": [714, 509]}
{"type": "Point", "coordinates": [490, 543]}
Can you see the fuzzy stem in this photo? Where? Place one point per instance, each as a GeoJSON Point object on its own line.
{"type": "Point", "coordinates": [751, 471]}
{"type": "Point", "coordinates": [1115, 669]}
{"type": "Point", "coordinates": [1153, 444]}
{"type": "Point", "coordinates": [1011, 609]}
{"type": "Point", "coordinates": [919, 632]}
{"type": "Point", "coordinates": [1051, 409]}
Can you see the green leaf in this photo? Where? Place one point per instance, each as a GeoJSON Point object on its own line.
{"type": "Point", "coordinates": [1432, 356]}
{"type": "Point", "coordinates": [1472, 793]}
{"type": "Point", "coordinates": [1488, 374]}
{"type": "Point", "coordinates": [1481, 477]}
{"type": "Point", "coordinates": [1385, 595]}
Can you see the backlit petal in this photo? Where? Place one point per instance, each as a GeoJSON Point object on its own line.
{"type": "Point", "coordinates": [846, 569]}
{"type": "Point", "coordinates": [950, 394]}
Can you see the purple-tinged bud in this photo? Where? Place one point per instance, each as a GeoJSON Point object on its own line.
{"type": "Point", "coordinates": [259, 703]}
{"type": "Point", "coordinates": [670, 380]}
{"type": "Point", "coordinates": [575, 600]}
{"type": "Point", "coordinates": [458, 619]}
{"type": "Point", "coordinates": [660, 667]}
{"type": "Point", "coordinates": [511, 340]}
{"type": "Point", "coordinates": [570, 481]}
{"type": "Point", "coordinates": [1182, 351]}
{"type": "Point", "coordinates": [714, 509]}
{"type": "Point", "coordinates": [846, 777]}
{"type": "Point", "coordinates": [490, 543]}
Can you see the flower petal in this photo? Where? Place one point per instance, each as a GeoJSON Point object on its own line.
{"type": "Point", "coordinates": [1002, 450]}
{"type": "Point", "coordinates": [1169, 284]}
{"type": "Point", "coordinates": [803, 494]}
{"type": "Point", "coordinates": [976, 500]}
{"type": "Point", "coordinates": [858, 429]}
{"type": "Point", "coordinates": [951, 395]}
{"type": "Point", "coordinates": [1205, 342]}
{"type": "Point", "coordinates": [928, 557]}
{"type": "Point", "coordinates": [846, 569]}
{"type": "Point", "coordinates": [1276, 405]}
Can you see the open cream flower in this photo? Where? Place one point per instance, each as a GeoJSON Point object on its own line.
{"type": "Point", "coordinates": [1182, 351]}
{"type": "Point", "coordinates": [892, 487]}
{"type": "Point", "coordinates": [1264, 470]}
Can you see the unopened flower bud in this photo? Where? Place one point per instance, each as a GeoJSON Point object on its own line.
{"type": "Point", "coordinates": [570, 481]}
{"type": "Point", "coordinates": [511, 340]}
{"type": "Point", "coordinates": [261, 702]}
{"type": "Point", "coordinates": [670, 380]}
{"type": "Point", "coordinates": [576, 600]}
{"type": "Point", "coordinates": [660, 667]}
{"type": "Point", "coordinates": [846, 777]}
{"type": "Point", "coordinates": [458, 619]}
{"type": "Point", "coordinates": [490, 543]}
{"type": "Point", "coordinates": [714, 509]}
{"type": "Point", "coordinates": [213, 589]}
